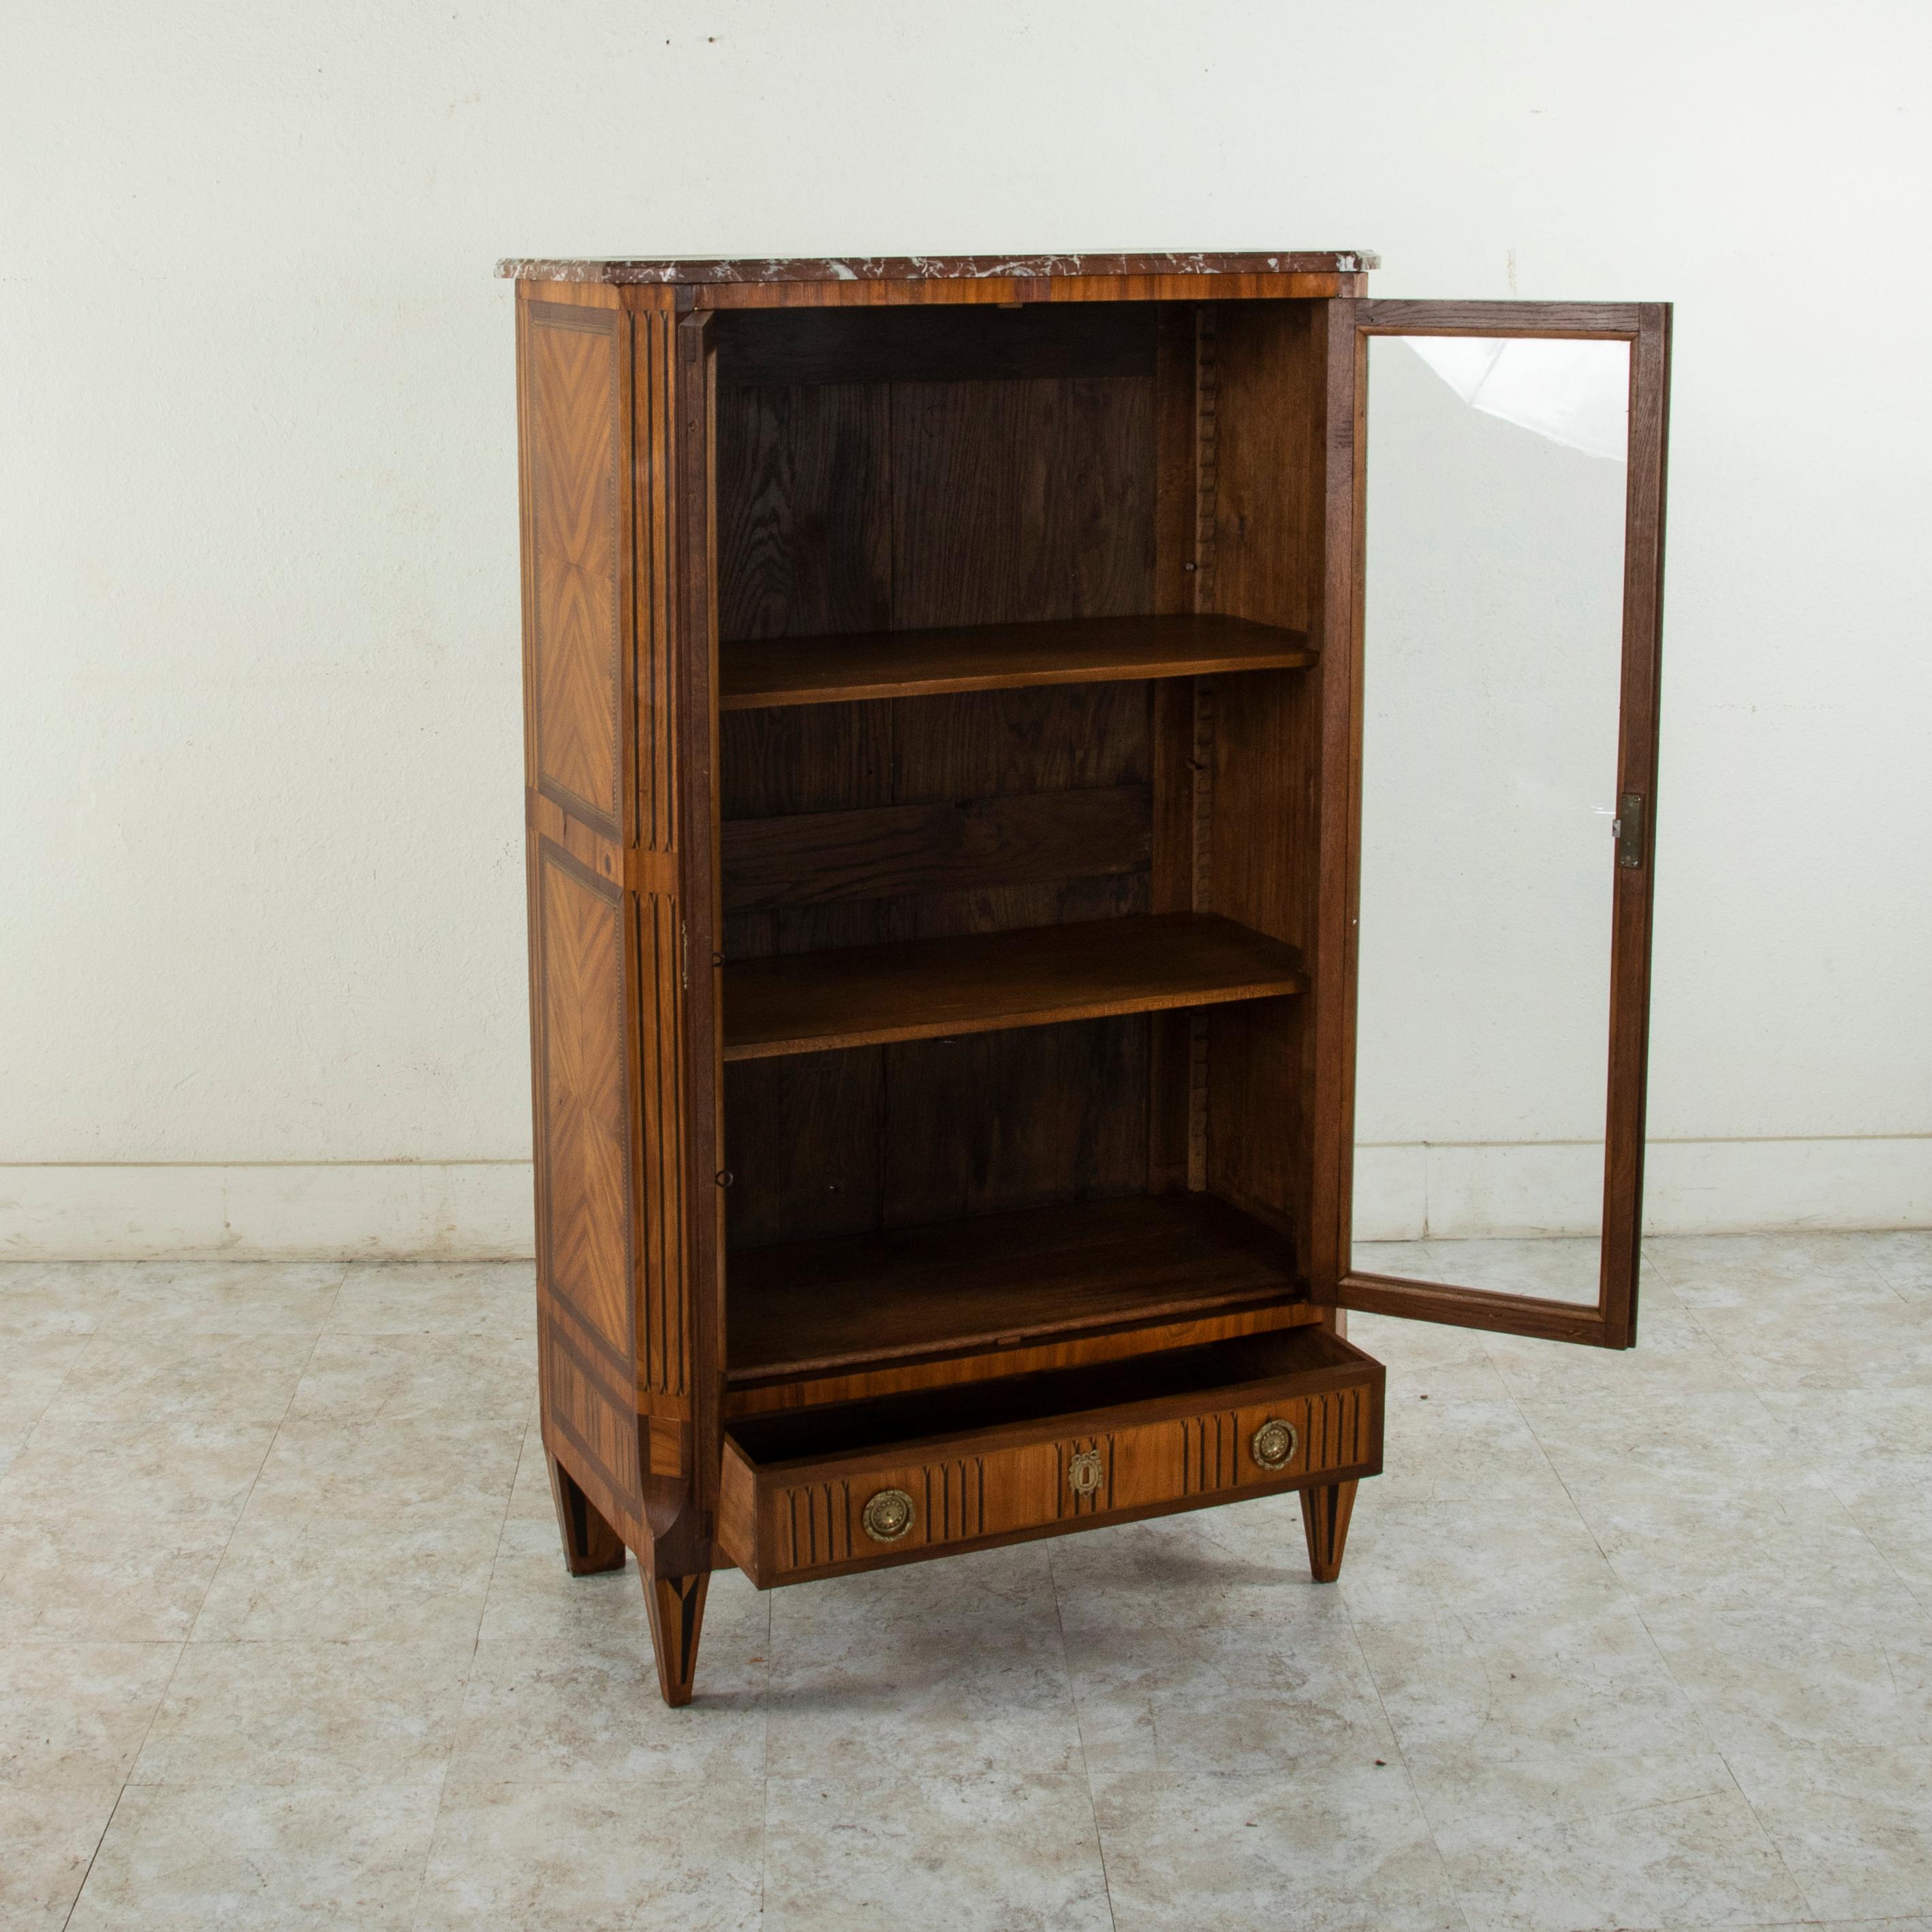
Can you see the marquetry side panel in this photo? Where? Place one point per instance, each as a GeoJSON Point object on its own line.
{"type": "Point", "coordinates": [583, 1105]}
{"type": "Point", "coordinates": [594, 1416]}
{"type": "Point", "coordinates": [575, 511]}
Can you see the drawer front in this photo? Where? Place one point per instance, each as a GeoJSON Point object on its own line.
{"type": "Point", "coordinates": [818, 1522]}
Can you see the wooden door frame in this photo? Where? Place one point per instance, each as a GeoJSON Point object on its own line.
{"type": "Point", "coordinates": [1612, 1322]}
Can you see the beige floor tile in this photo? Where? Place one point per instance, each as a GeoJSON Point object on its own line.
{"type": "Point", "coordinates": [1854, 1823]}
{"type": "Point", "coordinates": [510, 1858]}
{"type": "Point", "coordinates": [1767, 1274]}
{"type": "Point", "coordinates": [1584, 1677]}
{"type": "Point", "coordinates": [226, 1857]}
{"type": "Point", "coordinates": [1556, 1613]}
{"type": "Point", "coordinates": [392, 1466]}
{"type": "Point", "coordinates": [1843, 1925]}
{"type": "Point", "coordinates": [182, 1376]}
{"type": "Point", "coordinates": [1846, 1429]}
{"type": "Point", "coordinates": [1486, 1556]}
{"type": "Point", "coordinates": [530, 1498]}
{"type": "Point", "coordinates": [116, 1575]}
{"type": "Point", "coordinates": [533, 1600]}
{"type": "Point", "coordinates": [1778, 1674]}
{"type": "Point", "coordinates": [199, 1469]}
{"type": "Point", "coordinates": [222, 1298]}
{"type": "Point", "coordinates": [1191, 1716]}
{"type": "Point", "coordinates": [48, 1832]}
{"type": "Point", "coordinates": [1887, 1346]}
{"type": "Point", "coordinates": [294, 1576]}
{"type": "Point", "coordinates": [1837, 1925]}
{"type": "Point", "coordinates": [32, 1368]}
{"type": "Point", "coordinates": [55, 1297]}
{"type": "Point", "coordinates": [1259, 1661]}
{"type": "Point", "coordinates": [356, 1380]}
{"type": "Point", "coordinates": [1447, 1450]}
{"type": "Point", "coordinates": [1347, 1851]}
{"type": "Point", "coordinates": [167, 1425]}
{"type": "Point", "coordinates": [1675, 1358]}
{"type": "Point", "coordinates": [497, 1298]}
{"type": "Point", "coordinates": [1586, 1841]}
{"type": "Point", "coordinates": [1656, 1445]}
{"type": "Point", "coordinates": [1429, 1358]}
{"type": "Point", "coordinates": [542, 1713]}
{"type": "Point", "coordinates": [314, 1714]}
{"type": "Point", "coordinates": [1161, 1705]}
{"type": "Point", "coordinates": [1904, 1262]}
{"type": "Point", "coordinates": [1250, 1559]}
{"type": "Point", "coordinates": [1801, 1550]}
{"type": "Point", "coordinates": [382, 1424]}
{"type": "Point", "coordinates": [952, 1670]}
{"type": "Point", "coordinates": [1426, 1357]}
{"type": "Point", "coordinates": [1259, 1544]}
{"type": "Point", "coordinates": [874, 1852]}
{"type": "Point", "coordinates": [1890, 1499]}
{"type": "Point", "coordinates": [77, 1713]}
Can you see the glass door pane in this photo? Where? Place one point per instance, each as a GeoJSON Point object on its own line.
{"type": "Point", "coordinates": [1496, 504]}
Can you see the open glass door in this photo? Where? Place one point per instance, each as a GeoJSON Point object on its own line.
{"type": "Point", "coordinates": [1508, 516]}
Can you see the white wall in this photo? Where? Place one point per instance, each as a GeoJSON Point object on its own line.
{"type": "Point", "coordinates": [258, 802]}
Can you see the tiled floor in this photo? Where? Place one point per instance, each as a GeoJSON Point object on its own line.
{"type": "Point", "coordinates": [1640, 1641]}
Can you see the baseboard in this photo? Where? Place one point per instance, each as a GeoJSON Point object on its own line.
{"type": "Point", "coordinates": [447, 1211]}
{"type": "Point", "coordinates": [1404, 1193]}
{"type": "Point", "coordinates": [475, 1210]}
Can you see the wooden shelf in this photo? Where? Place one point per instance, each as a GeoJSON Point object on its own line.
{"type": "Point", "coordinates": [985, 982]}
{"type": "Point", "coordinates": [998, 657]}
{"type": "Point", "coordinates": [807, 1307]}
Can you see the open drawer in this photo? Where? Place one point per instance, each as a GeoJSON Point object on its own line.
{"type": "Point", "coordinates": [853, 1485]}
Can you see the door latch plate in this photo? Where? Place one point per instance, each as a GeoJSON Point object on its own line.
{"type": "Point", "coordinates": [1627, 829]}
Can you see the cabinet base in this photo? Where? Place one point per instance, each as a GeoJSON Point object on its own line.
{"type": "Point", "coordinates": [590, 1545]}
{"type": "Point", "coordinates": [1325, 1510]}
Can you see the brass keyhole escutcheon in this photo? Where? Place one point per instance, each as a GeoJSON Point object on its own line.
{"type": "Point", "coordinates": [887, 1516]}
{"type": "Point", "coordinates": [1273, 1444]}
{"type": "Point", "coordinates": [1083, 1471]}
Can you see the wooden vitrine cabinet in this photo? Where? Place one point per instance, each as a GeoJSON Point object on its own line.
{"type": "Point", "coordinates": [943, 696]}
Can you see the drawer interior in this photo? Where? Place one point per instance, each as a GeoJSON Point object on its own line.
{"type": "Point", "coordinates": [982, 1410]}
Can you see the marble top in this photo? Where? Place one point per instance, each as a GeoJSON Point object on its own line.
{"type": "Point", "coordinates": [936, 267]}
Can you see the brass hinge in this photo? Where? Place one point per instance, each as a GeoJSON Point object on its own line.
{"type": "Point", "coordinates": [1627, 829]}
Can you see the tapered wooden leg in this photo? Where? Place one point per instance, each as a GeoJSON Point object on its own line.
{"type": "Point", "coordinates": [1325, 1516]}
{"type": "Point", "coordinates": [589, 1544]}
{"type": "Point", "coordinates": [676, 1605]}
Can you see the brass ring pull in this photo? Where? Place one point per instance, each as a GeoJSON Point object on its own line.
{"type": "Point", "coordinates": [887, 1516]}
{"type": "Point", "coordinates": [1273, 1445]}
{"type": "Point", "coordinates": [1083, 1471]}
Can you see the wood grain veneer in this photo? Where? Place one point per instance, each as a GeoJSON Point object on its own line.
{"type": "Point", "coordinates": [992, 657]}
{"type": "Point", "coordinates": [1000, 1462]}
{"type": "Point", "coordinates": [807, 1308]}
{"type": "Point", "coordinates": [923, 989]}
